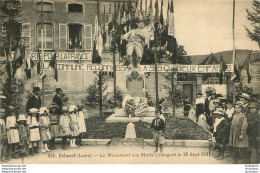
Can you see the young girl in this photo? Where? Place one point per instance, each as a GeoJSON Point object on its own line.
{"type": "Point", "coordinates": [23, 135]}
{"type": "Point", "coordinates": [65, 127]}
{"type": "Point", "coordinates": [74, 125]}
{"type": "Point", "coordinates": [238, 132]}
{"type": "Point", "coordinates": [54, 127]}
{"type": "Point", "coordinates": [12, 132]}
{"type": "Point", "coordinates": [230, 111]}
{"type": "Point", "coordinates": [33, 122]}
{"type": "Point", "coordinates": [2, 136]}
{"type": "Point", "coordinates": [45, 128]}
{"type": "Point", "coordinates": [221, 132]}
{"type": "Point", "coordinates": [81, 124]}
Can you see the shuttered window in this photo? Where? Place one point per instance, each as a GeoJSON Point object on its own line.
{"type": "Point", "coordinates": [47, 36]}
{"type": "Point", "coordinates": [88, 37]}
{"type": "Point", "coordinates": [26, 34]}
{"type": "Point", "coordinates": [63, 36]}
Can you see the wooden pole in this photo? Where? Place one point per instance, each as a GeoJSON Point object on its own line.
{"type": "Point", "coordinates": [234, 50]}
{"type": "Point", "coordinates": [173, 93]}
{"type": "Point", "coordinates": [42, 52]}
{"type": "Point", "coordinates": [156, 82]}
{"type": "Point", "coordinates": [114, 61]}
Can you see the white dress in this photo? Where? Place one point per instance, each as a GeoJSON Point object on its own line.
{"type": "Point", "coordinates": [81, 122]}
{"type": "Point", "coordinates": [34, 133]}
{"type": "Point", "coordinates": [12, 130]}
{"type": "Point", "coordinates": [202, 122]}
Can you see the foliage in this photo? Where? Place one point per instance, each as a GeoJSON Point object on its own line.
{"type": "Point", "coordinates": [130, 106]}
{"type": "Point", "coordinates": [119, 98]}
{"type": "Point", "coordinates": [93, 96]}
{"type": "Point", "coordinates": [178, 93]}
{"type": "Point", "coordinates": [254, 17]}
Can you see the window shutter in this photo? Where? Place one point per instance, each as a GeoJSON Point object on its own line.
{"type": "Point", "coordinates": [88, 37]}
{"type": "Point", "coordinates": [63, 36]}
{"type": "Point", "coordinates": [26, 34]}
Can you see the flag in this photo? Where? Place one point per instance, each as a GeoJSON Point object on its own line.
{"type": "Point", "coordinates": [39, 69]}
{"type": "Point", "coordinates": [161, 14]}
{"type": "Point", "coordinates": [28, 68]}
{"type": "Point", "coordinates": [247, 66]}
{"type": "Point", "coordinates": [98, 43]}
{"type": "Point", "coordinates": [223, 67]}
{"type": "Point", "coordinates": [53, 65]}
{"type": "Point", "coordinates": [172, 48]}
{"type": "Point", "coordinates": [168, 11]}
{"type": "Point", "coordinates": [110, 20]}
{"type": "Point", "coordinates": [156, 6]}
{"type": "Point", "coordinates": [18, 59]}
{"type": "Point", "coordinates": [171, 8]}
{"type": "Point", "coordinates": [236, 75]}
{"type": "Point", "coordinates": [150, 11]}
{"type": "Point", "coordinates": [145, 12]}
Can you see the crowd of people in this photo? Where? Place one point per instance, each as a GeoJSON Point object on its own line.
{"type": "Point", "coordinates": [36, 132]}
{"type": "Point", "coordinates": [234, 125]}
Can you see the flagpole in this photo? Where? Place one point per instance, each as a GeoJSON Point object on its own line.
{"type": "Point", "coordinates": [114, 58]}
{"type": "Point", "coordinates": [234, 48]}
{"type": "Point", "coordinates": [42, 52]}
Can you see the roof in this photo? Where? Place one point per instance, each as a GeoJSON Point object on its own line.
{"type": "Point", "coordinates": [214, 58]}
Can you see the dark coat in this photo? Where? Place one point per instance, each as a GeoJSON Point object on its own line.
{"type": "Point", "coordinates": [222, 132]}
{"type": "Point", "coordinates": [33, 102]}
{"type": "Point", "coordinates": [253, 130]}
{"type": "Point", "coordinates": [58, 100]}
{"type": "Point", "coordinates": [161, 125]}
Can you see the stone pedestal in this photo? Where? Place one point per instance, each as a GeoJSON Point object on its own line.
{"type": "Point", "coordinates": [135, 84]}
{"type": "Point", "coordinates": [130, 131]}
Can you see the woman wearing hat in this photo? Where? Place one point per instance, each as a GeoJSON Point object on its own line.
{"type": "Point", "coordinates": [253, 131]}
{"type": "Point", "coordinates": [33, 123]}
{"type": "Point", "coordinates": [12, 132]}
{"type": "Point", "coordinates": [221, 132]}
{"type": "Point", "coordinates": [200, 103]}
{"type": "Point", "coordinates": [238, 138]}
{"type": "Point", "coordinates": [54, 127]}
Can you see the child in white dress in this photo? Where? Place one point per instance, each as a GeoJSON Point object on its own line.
{"type": "Point", "coordinates": [74, 125]}
{"type": "Point", "coordinates": [45, 128]}
{"type": "Point", "coordinates": [33, 123]}
{"type": "Point", "coordinates": [81, 124]}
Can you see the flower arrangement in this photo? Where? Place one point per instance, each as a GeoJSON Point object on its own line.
{"type": "Point", "coordinates": [130, 106]}
{"type": "Point", "coordinates": [135, 105]}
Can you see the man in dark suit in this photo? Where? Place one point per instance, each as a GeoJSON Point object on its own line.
{"type": "Point", "coordinates": [158, 126]}
{"type": "Point", "coordinates": [35, 100]}
{"type": "Point", "coordinates": [58, 98]}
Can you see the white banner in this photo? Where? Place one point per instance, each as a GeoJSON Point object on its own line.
{"type": "Point", "coordinates": [171, 24]}
{"type": "Point", "coordinates": [62, 55]}
{"type": "Point", "coordinates": [145, 68]}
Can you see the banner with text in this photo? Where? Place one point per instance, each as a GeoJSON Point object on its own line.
{"type": "Point", "coordinates": [145, 68]}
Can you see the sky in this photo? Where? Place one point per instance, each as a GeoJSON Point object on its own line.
{"type": "Point", "coordinates": [205, 26]}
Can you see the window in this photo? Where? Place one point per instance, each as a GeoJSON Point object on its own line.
{"type": "Point", "coordinates": [46, 6]}
{"type": "Point", "coordinates": [75, 36]}
{"type": "Point", "coordinates": [75, 8]}
{"type": "Point", "coordinates": [47, 36]}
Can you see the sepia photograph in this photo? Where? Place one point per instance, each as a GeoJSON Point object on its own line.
{"type": "Point", "coordinates": [129, 82]}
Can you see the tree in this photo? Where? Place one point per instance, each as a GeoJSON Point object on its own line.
{"type": "Point", "coordinates": [254, 17]}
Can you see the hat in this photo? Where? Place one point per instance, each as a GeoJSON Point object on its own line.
{"type": "Point", "coordinates": [245, 96]}
{"type": "Point", "coordinates": [64, 109]}
{"type": "Point", "coordinates": [72, 108]}
{"type": "Point", "coordinates": [58, 89]}
{"type": "Point", "coordinates": [223, 100]}
{"type": "Point", "coordinates": [253, 105]}
{"type": "Point", "coordinates": [43, 110]}
{"type": "Point", "coordinates": [199, 93]}
{"type": "Point", "coordinates": [10, 108]}
{"type": "Point", "coordinates": [21, 117]}
{"type": "Point", "coordinates": [240, 104]}
{"type": "Point", "coordinates": [36, 89]}
{"type": "Point", "coordinates": [219, 111]}
{"type": "Point", "coordinates": [2, 112]}
{"type": "Point", "coordinates": [216, 101]}
{"type": "Point", "coordinates": [54, 105]}
{"type": "Point", "coordinates": [33, 111]}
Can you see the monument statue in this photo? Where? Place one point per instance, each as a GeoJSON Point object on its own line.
{"type": "Point", "coordinates": [137, 38]}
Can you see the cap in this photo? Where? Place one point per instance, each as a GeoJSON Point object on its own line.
{"type": "Point", "coordinates": [43, 110]}
{"type": "Point", "coordinates": [58, 89]}
{"type": "Point", "coordinates": [64, 109]}
{"type": "Point", "coordinates": [33, 111]}
{"type": "Point", "coordinates": [245, 96]}
{"type": "Point", "coordinates": [240, 104]}
{"type": "Point", "coordinates": [216, 101]}
{"type": "Point", "coordinates": [54, 105]}
{"type": "Point", "coordinates": [254, 105]}
{"type": "Point", "coordinates": [36, 89]}
{"type": "Point", "coordinates": [219, 111]}
{"type": "Point", "coordinates": [21, 117]}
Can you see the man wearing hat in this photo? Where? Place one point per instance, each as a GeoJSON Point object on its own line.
{"type": "Point", "coordinates": [244, 98]}
{"type": "Point", "coordinates": [200, 105]}
{"type": "Point", "coordinates": [253, 131]}
{"type": "Point", "coordinates": [58, 99]}
{"type": "Point", "coordinates": [35, 100]}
